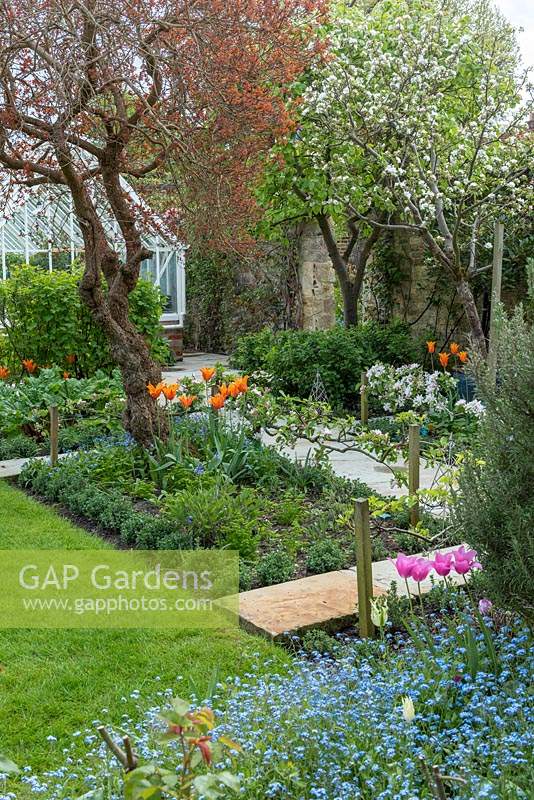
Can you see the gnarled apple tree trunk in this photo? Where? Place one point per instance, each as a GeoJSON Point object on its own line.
{"type": "Point", "coordinates": [467, 298]}
{"type": "Point", "coordinates": [349, 264]}
{"type": "Point", "coordinates": [109, 306]}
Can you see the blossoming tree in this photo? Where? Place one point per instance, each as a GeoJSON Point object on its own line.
{"type": "Point", "coordinates": [95, 93]}
{"type": "Point", "coordinates": [414, 123]}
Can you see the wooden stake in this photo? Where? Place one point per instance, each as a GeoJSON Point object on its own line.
{"type": "Point", "coordinates": [413, 470]}
{"type": "Point", "coordinates": [496, 284]}
{"type": "Point", "coordinates": [54, 429]}
{"type": "Point", "coordinates": [364, 401]}
{"type": "Point", "coordinates": [364, 568]}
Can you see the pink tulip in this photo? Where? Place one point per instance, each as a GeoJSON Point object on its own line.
{"type": "Point", "coordinates": [404, 564]}
{"type": "Point", "coordinates": [421, 569]}
{"type": "Point", "coordinates": [465, 560]}
{"type": "Point", "coordinates": [443, 563]}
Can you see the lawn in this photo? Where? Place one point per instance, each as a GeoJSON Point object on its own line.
{"type": "Point", "coordinates": [54, 682]}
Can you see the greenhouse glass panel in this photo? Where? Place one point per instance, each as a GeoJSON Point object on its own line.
{"type": "Point", "coordinates": [41, 229]}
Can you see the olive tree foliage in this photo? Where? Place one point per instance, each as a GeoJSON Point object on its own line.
{"type": "Point", "coordinates": [415, 121]}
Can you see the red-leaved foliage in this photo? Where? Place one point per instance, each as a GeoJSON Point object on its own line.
{"type": "Point", "coordinates": [181, 97]}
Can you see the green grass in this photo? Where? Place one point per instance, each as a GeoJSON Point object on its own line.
{"type": "Point", "coordinates": [54, 682]}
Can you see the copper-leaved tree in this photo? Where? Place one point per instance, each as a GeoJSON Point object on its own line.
{"type": "Point", "coordinates": [98, 93]}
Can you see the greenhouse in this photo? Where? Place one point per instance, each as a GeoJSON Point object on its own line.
{"type": "Point", "coordinates": [41, 229]}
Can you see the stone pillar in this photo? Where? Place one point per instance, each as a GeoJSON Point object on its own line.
{"type": "Point", "coordinates": [317, 279]}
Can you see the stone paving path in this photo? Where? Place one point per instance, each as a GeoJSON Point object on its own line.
{"type": "Point", "coordinates": [328, 601]}
{"type": "Point", "coordinates": [358, 466]}
{"type": "Point", "coordinates": [190, 366]}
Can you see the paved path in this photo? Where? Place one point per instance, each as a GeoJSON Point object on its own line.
{"type": "Point", "coordinates": [358, 466]}
{"type": "Point", "coordinates": [328, 601]}
{"type": "Point", "coordinates": [190, 366]}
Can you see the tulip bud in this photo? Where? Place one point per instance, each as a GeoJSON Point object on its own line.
{"type": "Point", "coordinates": [408, 710]}
{"type": "Point", "coordinates": [379, 612]}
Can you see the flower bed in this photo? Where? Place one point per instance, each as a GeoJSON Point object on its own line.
{"type": "Point", "coordinates": [210, 486]}
{"type": "Point", "coordinates": [371, 724]}
{"type": "Point", "coordinates": [89, 410]}
{"type": "Point", "coordinates": [211, 483]}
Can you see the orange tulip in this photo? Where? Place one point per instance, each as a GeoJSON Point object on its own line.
{"type": "Point", "coordinates": [431, 347]}
{"type": "Point", "coordinates": [455, 348]}
{"type": "Point", "coordinates": [233, 389]}
{"type": "Point", "coordinates": [207, 373]}
{"type": "Point", "coordinates": [224, 391]}
{"type": "Point", "coordinates": [4, 373]}
{"type": "Point", "coordinates": [66, 375]}
{"type": "Point", "coordinates": [463, 356]}
{"type": "Point", "coordinates": [29, 365]}
{"type": "Point", "coordinates": [242, 383]}
{"type": "Point", "coordinates": [217, 401]}
{"type": "Point", "coordinates": [187, 400]}
{"type": "Point", "coordinates": [155, 391]}
{"type": "Point", "coordinates": [444, 359]}
{"type": "Point", "coordinates": [170, 391]}
{"type": "Point", "coordinates": [70, 359]}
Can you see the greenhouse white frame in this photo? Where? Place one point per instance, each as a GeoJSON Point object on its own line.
{"type": "Point", "coordinates": [43, 222]}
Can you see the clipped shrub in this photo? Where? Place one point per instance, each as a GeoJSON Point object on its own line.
{"type": "Point", "coordinates": [292, 358]}
{"type": "Point", "coordinates": [324, 556]}
{"type": "Point", "coordinates": [495, 503]}
{"type": "Point", "coordinates": [45, 320]}
{"type": "Point", "coordinates": [276, 567]}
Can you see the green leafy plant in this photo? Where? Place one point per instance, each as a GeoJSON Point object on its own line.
{"type": "Point", "coordinates": [495, 500]}
{"type": "Point", "coordinates": [191, 731]}
{"type": "Point", "coordinates": [45, 320]}
{"type": "Point", "coordinates": [218, 516]}
{"type": "Point", "coordinates": [324, 556]}
{"type": "Point", "coordinates": [275, 567]}
{"type": "Point", "coordinates": [318, 641]}
{"type": "Point", "coordinates": [24, 406]}
{"type": "Point", "coordinates": [292, 358]}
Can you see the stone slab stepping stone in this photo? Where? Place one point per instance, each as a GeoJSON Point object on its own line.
{"type": "Point", "coordinates": [328, 601]}
{"type": "Point", "coordinates": [14, 466]}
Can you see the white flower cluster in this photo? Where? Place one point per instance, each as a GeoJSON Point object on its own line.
{"type": "Point", "coordinates": [411, 112]}
{"type": "Point", "coordinates": [474, 407]}
{"type": "Point", "coordinates": [410, 388]}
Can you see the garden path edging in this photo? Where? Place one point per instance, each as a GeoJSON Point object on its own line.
{"type": "Point", "coordinates": [328, 601]}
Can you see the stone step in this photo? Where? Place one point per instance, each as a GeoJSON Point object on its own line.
{"type": "Point", "coordinates": [328, 601]}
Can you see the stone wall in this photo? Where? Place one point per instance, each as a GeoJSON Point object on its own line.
{"type": "Point", "coordinates": [404, 282]}
{"type": "Point", "coordinates": [317, 279]}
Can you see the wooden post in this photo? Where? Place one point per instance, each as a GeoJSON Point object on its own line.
{"type": "Point", "coordinates": [364, 568]}
{"type": "Point", "coordinates": [54, 427]}
{"type": "Point", "coordinates": [413, 470]}
{"type": "Point", "coordinates": [496, 283]}
{"type": "Point", "coordinates": [364, 400]}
